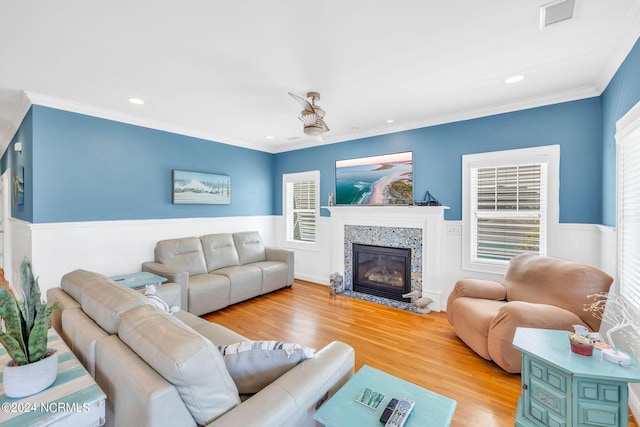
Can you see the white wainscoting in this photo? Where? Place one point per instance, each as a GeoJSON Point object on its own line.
{"type": "Point", "coordinates": [586, 243]}
{"type": "Point", "coordinates": [117, 247]}
{"type": "Point", "coordinates": [111, 247]}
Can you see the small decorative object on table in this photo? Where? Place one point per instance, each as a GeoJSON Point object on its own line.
{"type": "Point", "coordinates": [619, 315]}
{"type": "Point", "coordinates": [580, 342]}
{"type": "Point", "coordinates": [33, 367]}
{"type": "Point", "coordinates": [335, 284]}
{"type": "Point", "coordinates": [370, 399]}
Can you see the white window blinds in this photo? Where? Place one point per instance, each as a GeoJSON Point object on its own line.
{"type": "Point", "coordinates": [301, 207]}
{"type": "Point", "coordinates": [509, 206]}
{"type": "Point", "coordinates": [628, 167]}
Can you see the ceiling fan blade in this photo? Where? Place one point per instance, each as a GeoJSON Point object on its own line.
{"type": "Point", "coordinates": [305, 104]}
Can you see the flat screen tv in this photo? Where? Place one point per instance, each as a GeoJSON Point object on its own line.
{"type": "Point", "coordinates": [375, 180]}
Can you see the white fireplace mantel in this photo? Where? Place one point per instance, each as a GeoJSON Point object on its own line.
{"type": "Point", "coordinates": [428, 218]}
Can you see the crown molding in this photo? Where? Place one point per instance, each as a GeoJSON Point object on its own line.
{"type": "Point", "coordinates": [18, 116]}
{"type": "Point", "coordinates": [103, 113]}
{"type": "Point", "coordinates": [623, 47]}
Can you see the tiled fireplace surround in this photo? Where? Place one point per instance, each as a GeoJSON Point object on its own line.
{"type": "Point", "coordinates": [417, 228]}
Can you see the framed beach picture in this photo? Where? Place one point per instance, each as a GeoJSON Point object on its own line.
{"type": "Point", "coordinates": [201, 188]}
{"type": "Point", "coordinates": [376, 180]}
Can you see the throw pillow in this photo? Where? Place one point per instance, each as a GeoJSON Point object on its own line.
{"type": "Point", "coordinates": [255, 364]}
{"type": "Point", "coordinates": [152, 295]}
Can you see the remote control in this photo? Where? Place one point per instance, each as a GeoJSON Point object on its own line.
{"type": "Point", "coordinates": [400, 413]}
{"type": "Point", "coordinates": [388, 411]}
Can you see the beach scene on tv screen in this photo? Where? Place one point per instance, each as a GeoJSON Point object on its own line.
{"type": "Point", "coordinates": [376, 180]}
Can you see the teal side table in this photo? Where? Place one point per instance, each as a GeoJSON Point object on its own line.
{"type": "Point", "coordinates": [562, 388]}
{"type": "Point", "coordinates": [138, 280]}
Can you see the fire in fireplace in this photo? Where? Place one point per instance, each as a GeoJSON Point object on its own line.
{"type": "Point", "coordinates": [382, 271]}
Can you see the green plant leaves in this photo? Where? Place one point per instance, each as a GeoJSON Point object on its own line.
{"type": "Point", "coordinates": [13, 338]}
{"type": "Point", "coordinates": [26, 322]}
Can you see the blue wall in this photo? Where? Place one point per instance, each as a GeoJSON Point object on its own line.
{"type": "Point", "coordinates": [437, 155]}
{"type": "Point", "coordinates": [622, 93]}
{"type": "Point", "coordinates": [81, 168]}
{"type": "Point", "coordinates": [89, 169]}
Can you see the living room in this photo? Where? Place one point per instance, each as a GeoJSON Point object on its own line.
{"type": "Point", "coordinates": [97, 185]}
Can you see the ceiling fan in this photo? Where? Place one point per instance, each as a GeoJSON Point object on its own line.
{"type": "Point", "coordinates": [312, 116]}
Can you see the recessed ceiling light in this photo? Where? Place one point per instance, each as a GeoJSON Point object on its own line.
{"type": "Point", "coordinates": [136, 101]}
{"type": "Point", "coordinates": [390, 121]}
{"type": "Point", "coordinates": [270, 137]}
{"type": "Point", "coordinates": [514, 79]}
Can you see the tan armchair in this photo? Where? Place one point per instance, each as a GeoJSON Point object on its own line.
{"type": "Point", "coordinates": [536, 292]}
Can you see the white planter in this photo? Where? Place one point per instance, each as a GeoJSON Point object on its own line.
{"type": "Point", "coordinates": [25, 380]}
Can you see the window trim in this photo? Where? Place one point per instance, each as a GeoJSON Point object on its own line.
{"type": "Point", "coordinates": [292, 178]}
{"type": "Point", "coordinates": [549, 154]}
{"type": "Point", "coordinates": [627, 130]}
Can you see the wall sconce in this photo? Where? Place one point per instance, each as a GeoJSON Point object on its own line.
{"type": "Point", "coordinates": [17, 147]}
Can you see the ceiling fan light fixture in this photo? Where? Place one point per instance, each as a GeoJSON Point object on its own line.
{"type": "Point", "coordinates": [313, 130]}
{"type": "Point", "coordinates": [312, 116]}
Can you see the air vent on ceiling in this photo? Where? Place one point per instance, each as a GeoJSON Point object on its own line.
{"type": "Point", "coordinates": [556, 11]}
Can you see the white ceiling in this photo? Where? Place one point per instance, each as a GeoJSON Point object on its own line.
{"type": "Point", "coordinates": [221, 70]}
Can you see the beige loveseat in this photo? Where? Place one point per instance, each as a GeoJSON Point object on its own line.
{"type": "Point", "coordinates": [217, 270]}
{"type": "Point", "coordinates": [161, 370]}
{"type": "Point", "coordinates": [536, 292]}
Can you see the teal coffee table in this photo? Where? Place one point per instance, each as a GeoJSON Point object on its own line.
{"type": "Point", "coordinates": [432, 409]}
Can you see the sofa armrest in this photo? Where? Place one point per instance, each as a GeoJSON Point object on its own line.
{"type": "Point", "coordinates": [283, 255]}
{"type": "Point", "coordinates": [65, 302]}
{"type": "Point", "coordinates": [474, 288]}
{"type": "Point", "coordinates": [173, 275]}
{"type": "Point", "coordinates": [293, 398]}
{"type": "Point", "coordinates": [529, 315]}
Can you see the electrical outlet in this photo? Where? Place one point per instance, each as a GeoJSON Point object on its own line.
{"type": "Point", "coordinates": [454, 230]}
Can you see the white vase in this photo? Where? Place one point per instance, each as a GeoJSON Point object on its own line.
{"type": "Point", "coordinates": [25, 380]}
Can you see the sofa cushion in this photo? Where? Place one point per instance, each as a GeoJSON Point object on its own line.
{"type": "Point", "coordinates": [76, 281]}
{"type": "Point", "coordinates": [184, 358]}
{"type": "Point", "coordinates": [255, 364]}
{"type": "Point", "coordinates": [185, 254]}
{"type": "Point", "coordinates": [250, 247]}
{"type": "Point", "coordinates": [105, 302]}
{"type": "Point", "coordinates": [208, 292]}
{"type": "Point", "coordinates": [219, 251]}
{"type": "Point", "coordinates": [275, 275]}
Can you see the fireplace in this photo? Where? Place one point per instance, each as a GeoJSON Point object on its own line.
{"type": "Point", "coordinates": [382, 271]}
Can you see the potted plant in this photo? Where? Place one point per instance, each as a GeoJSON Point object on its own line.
{"type": "Point", "coordinates": [33, 367]}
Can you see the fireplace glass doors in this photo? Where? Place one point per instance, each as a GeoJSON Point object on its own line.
{"type": "Point", "coordinates": [382, 271]}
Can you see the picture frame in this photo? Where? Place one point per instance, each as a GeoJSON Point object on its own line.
{"type": "Point", "coordinates": [18, 186]}
{"type": "Point", "coordinates": [200, 188]}
{"type": "Point", "coordinates": [375, 180]}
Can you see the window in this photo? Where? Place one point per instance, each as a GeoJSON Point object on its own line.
{"type": "Point", "coordinates": [628, 209]}
{"type": "Point", "coordinates": [507, 206]}
{"type": "Point", "coordinates": [301, 205]}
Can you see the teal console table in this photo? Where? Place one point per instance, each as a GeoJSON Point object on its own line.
{"type": "Point", "coordinates": [562, 388]}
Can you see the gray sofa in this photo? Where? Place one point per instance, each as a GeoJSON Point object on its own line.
{"type": "Point", "coordinates": [161, 370]}
{"type": "Point", "coordinates": [217, 270]}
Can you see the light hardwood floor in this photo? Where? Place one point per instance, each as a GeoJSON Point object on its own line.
{"type": "Point", "coordinates": [422, 349]}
